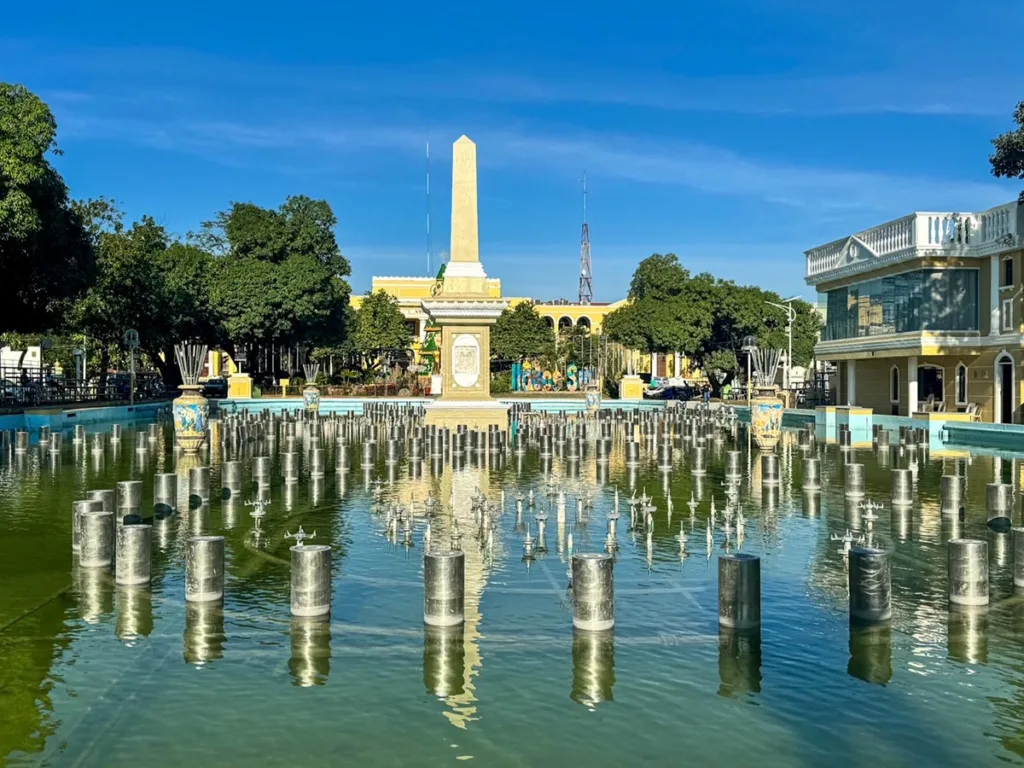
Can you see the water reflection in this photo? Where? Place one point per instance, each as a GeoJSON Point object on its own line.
{"type": "Point", "coordinates": [852, 512]}
{"type": "Point", "coordinates": [163, 528]}
{"type": "Point", "coordinates": [94, 588]}
{"type": "Point", "coordinates": [230, 511]}
{"type": "Point", "coordinates": [291, 485]}
{"type": "Point", "coordinates": [952, 527]}
{"type": "Point", "coordinates": [204, 637]}
{"type": "Point", "coordinates": [999, 547]}
{"type": "Point", "coordinates": [901, 522]}
{"type": "Point", "coordinates": [134, 614]}
{"type": "Point", "coordinates": [310, 662]}
{"type": "Point", "coordinates": [739, 661]}
{"type": "Point", "coordinates": [444, 660]}
{"type": "Point", "coordinates": [199, 523]}
{"type": "Point", "coordinates": [812, 503]}
{"type": "Point", "coordinates": [593, 667]}
{"type": "Point", "coordinates": [870, 652]}
{"type": "Point", "coordinates": [883, 457]}
{"type": "Point", "coordinates": [968, 633]}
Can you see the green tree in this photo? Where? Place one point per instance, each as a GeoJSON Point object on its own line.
{"type": "Point", "coordinates": [705, 318]}
{"type": "Point", "coordinates": [280, 276]}
{"type": "Point", "coordinates": [187, 274]}
{"type": "Point", "coordinates": [520, 333]}
{"type": "Point", "coordinates": [127, 291]}
{"type": "Point", "coordinates": [1008, 158]}
{"type": "Point", "coordinates": [46, 256]}
{"type": "Point", "coordinates": [742, 311]}
{"type": "Point", "coordinates": [379, 326]}
{"type": "Point", "coordinates": [668, 311]}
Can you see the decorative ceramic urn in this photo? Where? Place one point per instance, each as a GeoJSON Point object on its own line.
{"type": "Point", "coordinates": [766, 419]}
{"type": "Point", "coordinates": [191, 410]}
{"type": "Point", "coordinates": [311, 392]}
{"type": "Point", "coordinates": [311, 398]}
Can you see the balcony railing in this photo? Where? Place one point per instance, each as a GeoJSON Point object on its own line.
{"type": "Point", "coordinates": [922, 233]}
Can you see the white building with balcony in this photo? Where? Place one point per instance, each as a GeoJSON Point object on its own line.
{"type": "Point", "coordinates": [925, 313]}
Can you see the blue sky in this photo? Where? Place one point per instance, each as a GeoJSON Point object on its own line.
{"type": "Point", "coordinates": [735, 134]}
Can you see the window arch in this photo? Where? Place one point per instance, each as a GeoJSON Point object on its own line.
{"type": "Point", "coordinates": [1005, 385]}
{"type": "Point", "coordinates": [583, 322]}
{"type": "Point", "coordinates": [564, 322]}
{"type": "Point", "coordinates": [549, 320]}
{"type": "Point", "coordinates": [961, 384]}
{"type": "Point", "coordinates": [894, 385]}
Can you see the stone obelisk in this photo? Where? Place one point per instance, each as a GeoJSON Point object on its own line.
{"type": "Point", "coordinates": [465, 308]}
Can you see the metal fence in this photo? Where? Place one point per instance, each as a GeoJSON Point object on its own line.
{"type": "Point", "coordinates": [29, 387]}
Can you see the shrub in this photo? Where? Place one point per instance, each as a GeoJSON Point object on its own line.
{"type": "Point", "coordinates": [501, 382]}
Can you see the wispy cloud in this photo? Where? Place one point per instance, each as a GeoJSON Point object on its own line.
{"type": "Point", "coordinates": [945, 88]}
{"type": "Point", "coordinates": [305, 121]}
{"type": "Point", "coordinates": [317, 147]}
{"type": "Point", "coordinates": [719, 171]}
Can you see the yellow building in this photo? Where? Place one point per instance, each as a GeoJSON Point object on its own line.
{"type": "Point", "coordinates": [925, 313]}
{"type": "Point", "coordinates": [408, 291]}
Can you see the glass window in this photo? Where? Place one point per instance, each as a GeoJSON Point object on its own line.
{"type": "Point", "coordinates": [961, 384]}
{"type": "Point", "coordinates": [923, 300]}
{"type": "Point", "coordinates": [929, 382]}
{"type": "Point", "coordinates": [1007, 271]}
{"type": "Point", "coordinates": [894, 385]}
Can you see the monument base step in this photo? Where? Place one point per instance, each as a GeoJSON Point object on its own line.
{"type": "Point", "coordinates": [474, 414]}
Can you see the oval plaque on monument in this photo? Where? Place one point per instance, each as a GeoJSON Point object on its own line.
{"type": "Point", "coordinates": [465, 360]}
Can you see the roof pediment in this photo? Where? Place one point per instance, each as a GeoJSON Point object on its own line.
{"type": "Point", "coordinates": [855, 251]}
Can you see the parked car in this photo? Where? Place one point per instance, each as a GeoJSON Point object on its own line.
{"type": "Point", "coordinates": [684, 392]}
{"type": "Point", "coordinates": [217, 387]}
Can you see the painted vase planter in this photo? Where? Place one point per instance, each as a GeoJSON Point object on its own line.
{"type": "Point", "coordinates": [766, 421]}
{"type": "Point", "coordinates": [191, 418]}
{"type": "Point", "coordinates": [311, 398]}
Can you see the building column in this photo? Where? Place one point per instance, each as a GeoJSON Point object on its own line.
{"type": "Point", "coordinates": [654, 365]}
{"type": "Point", "coordinates": [851, 382]}
{"type": "Point", "coordinates": [679, 371]}
{"type": "Point", "coordinates": [993, 296]}
{"type": "Point", "coordinates": [911, 385]}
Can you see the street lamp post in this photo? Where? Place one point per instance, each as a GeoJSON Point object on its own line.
{"type": "Point", "coordinates": [787, 307]}
{"type": "Point", "coordinates": [749, 346]}
{"type": "Point", "coordinates": [131, 340]}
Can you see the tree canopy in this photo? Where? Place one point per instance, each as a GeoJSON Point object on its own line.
{"type": "Point", "coordinates": [520, 333]}
{"type": "Point", "coordinates": [668, 311]}
{"type": "Point", "coordinates": [46, 256]}
{"type": "Point", "coordinates": [380, 325]}
{"type": "Point", "coordinates": [705, 318]}
{"type": "Point", "coordinates": [280, 276]}
{"type": "Point", "coordinates": [1008, 158]}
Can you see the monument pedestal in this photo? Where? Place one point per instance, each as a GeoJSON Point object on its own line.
{"type": "Point", "coordinates": [465, 313]}
{"type": "Point", "coordinates": [465, 363]}
{"type": "Point", "coordinates": [474, 414]}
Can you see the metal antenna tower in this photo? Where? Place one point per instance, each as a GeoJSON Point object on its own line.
{"type": "Point", "coordinates": [586, 268]}
{"type": "Point", "coordinates": [429, 244]}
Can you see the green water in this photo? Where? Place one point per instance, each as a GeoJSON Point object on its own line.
{"type": "Point", "coordinates": [94, 675]}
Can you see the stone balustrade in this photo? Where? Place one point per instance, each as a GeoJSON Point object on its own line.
{"type": "Point", "coordinates": [916, 235]}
